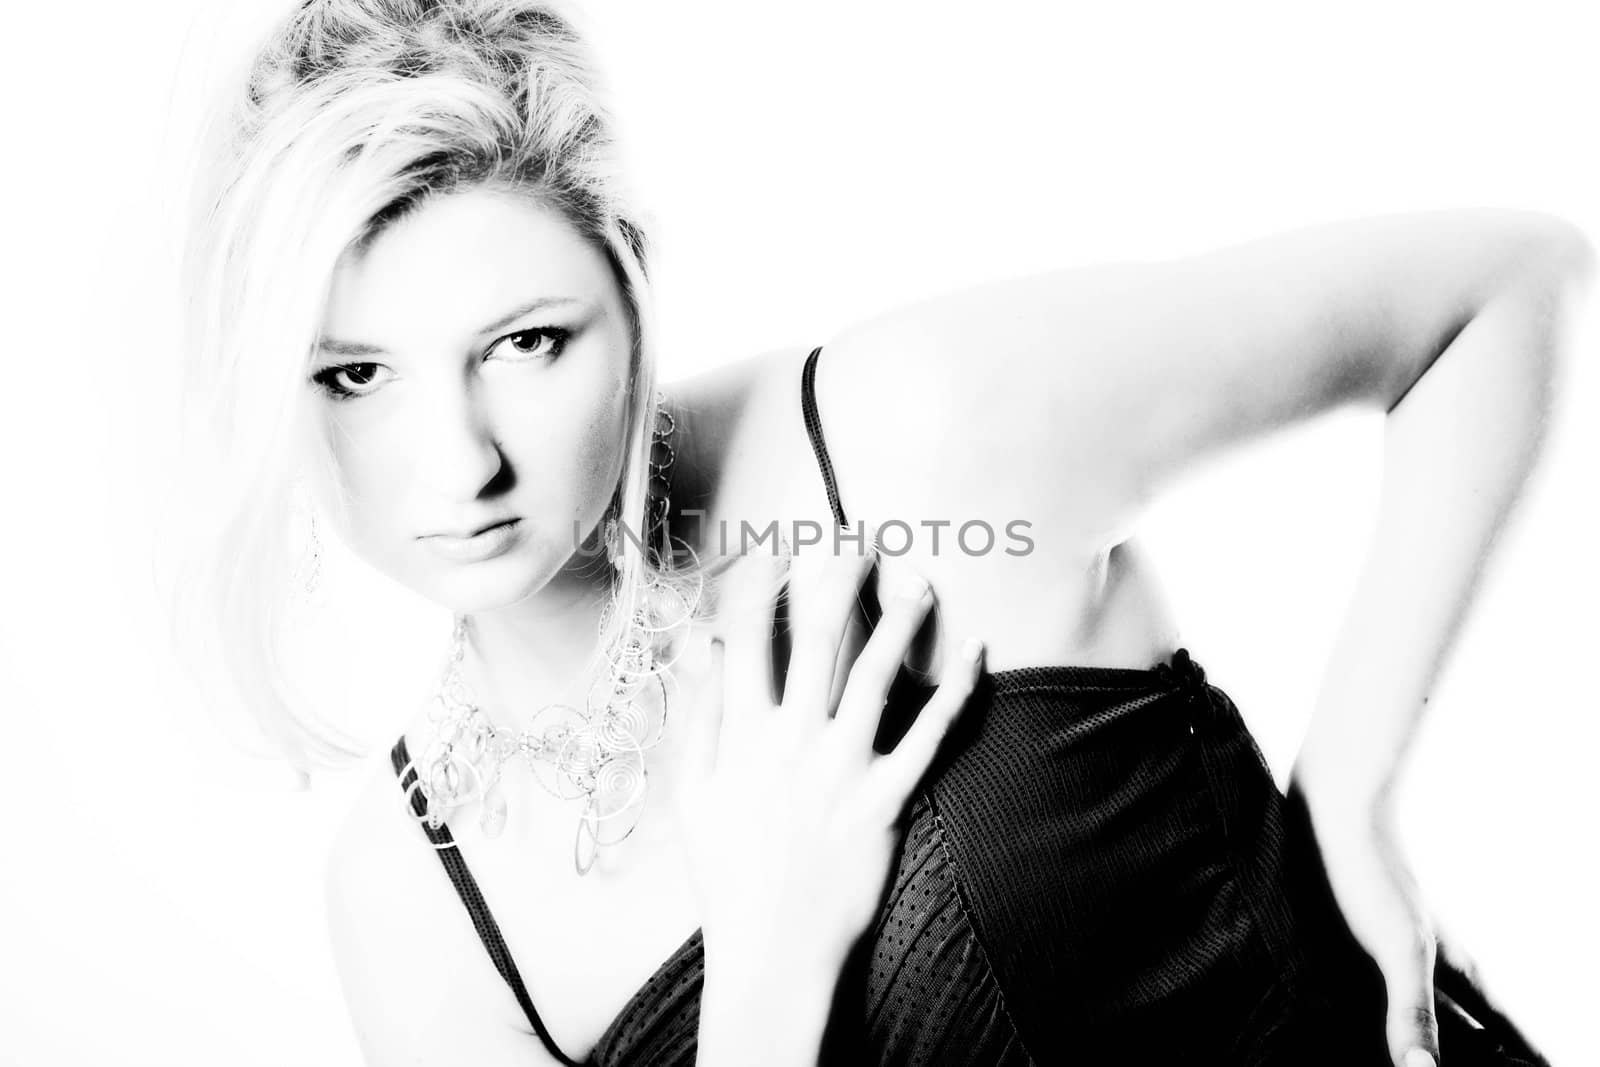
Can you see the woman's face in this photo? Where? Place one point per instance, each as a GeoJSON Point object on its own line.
{"type": "Point", "coordinates": [473, 370]}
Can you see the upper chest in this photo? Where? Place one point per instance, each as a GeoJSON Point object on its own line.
{"type": "Point", "coordinates": [584, 945]}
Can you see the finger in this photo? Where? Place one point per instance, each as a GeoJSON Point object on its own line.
{"type": "Point", "coordinates": [701, 736]}
{"type": "Point", "coordinates": [754, 582]}
{"type": "Point", "coordinates": [820, 624]}
{"type": "Point", "coordinates": [896, 775]}
{"type": "Point", "coordinates": [1413, 1027]}
{"type": "Point", "coordinates": [873, 672]}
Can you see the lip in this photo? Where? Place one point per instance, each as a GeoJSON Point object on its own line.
{"type": "Point", "coordinates": [484, 543]}
{"type": "Point", "coordinates": [476, 530]}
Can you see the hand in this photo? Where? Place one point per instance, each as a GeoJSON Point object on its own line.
{"type": "Point", "coordinates": [790, 817]}
{"type": "Point", "coordinates": [1376, 892]}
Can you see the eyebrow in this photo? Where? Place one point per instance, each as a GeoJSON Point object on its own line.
{"type": "Point", "coordinates": [356, 348]}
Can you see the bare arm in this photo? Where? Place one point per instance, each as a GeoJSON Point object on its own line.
{"type": "Point", "coordinates": [1454, 325]}
{"type": "Point", "coordinates": [1458, 448]}
{"type": "Point", "coordinates": [1457, 451]}
{"type": "Point", "coordinates": [1119, 379]}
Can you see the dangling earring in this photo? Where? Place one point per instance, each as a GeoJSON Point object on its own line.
{"type": "Point", "coordinates": [612, 540]}
{"type": "Point", "coordinates": [659, 461]}
{"type": "Point", "coordinates": [659, 486]}
{"type": "Point", "coordinates": [307, 576]}
{"type": "Point", "coordinates": [313, 566]}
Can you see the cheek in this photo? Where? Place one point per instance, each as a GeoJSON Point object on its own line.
{"type": "Point", "coordinates": [602, 441]}
{"type": "Point", "coordinates": [365, 501]}
{"type": "Point", "coordinates": [594, 455]}
{"type": "Point", "coordinates": [570, 455]}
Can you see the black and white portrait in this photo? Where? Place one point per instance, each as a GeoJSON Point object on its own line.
{"type": "Point", "coordinates": [621, 533]}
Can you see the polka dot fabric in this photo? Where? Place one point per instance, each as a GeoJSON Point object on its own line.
{"type": "Point", "coordinates": [1098, 868]}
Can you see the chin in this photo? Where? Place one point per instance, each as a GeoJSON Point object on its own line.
{"type": "Point", "coordinates": [468, 588]}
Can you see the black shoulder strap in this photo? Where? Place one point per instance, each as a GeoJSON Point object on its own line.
{"type": "Point", "coordinates": [467, 887]}
{"type": "Point", "coordinates": [808, 407]}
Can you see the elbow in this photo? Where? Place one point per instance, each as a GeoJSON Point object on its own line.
{"type": "Point", "coordinates": [1548, 287]}
{"type": "Point", "coordinates": [1559, 259]}
{"type": "Point", "coordinates": [1563, 282]}
{"type": "Point", "coordinates": [1584, 261]}
{"type": "Point", "coordinates": [1550, 301]}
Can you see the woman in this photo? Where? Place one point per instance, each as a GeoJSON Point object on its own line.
{"type": "Point", "coordinates": [421, 198]}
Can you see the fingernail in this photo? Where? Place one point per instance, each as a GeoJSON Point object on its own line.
{"type": "Point", "coordinates": [1420, 1058]}
{"type": "Point", "coordinates": [971, 649]}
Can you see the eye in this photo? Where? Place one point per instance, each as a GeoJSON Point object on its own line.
{"type": "Point", "coordinates": [543, 342]}
{"type": "Point", "coordinates": [348, 380]}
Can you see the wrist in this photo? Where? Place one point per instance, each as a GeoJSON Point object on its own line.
{"type": "Point", "coordinates": [1344, 807]}
{"type": "Point", "coordinates": [771, 964]}
{"type": "Point", "coordinates": [1341, 781]}
{"type": "Point", "coordinates": [762, 1003]}
{"type": "Point", "coordinates": [753, 945]}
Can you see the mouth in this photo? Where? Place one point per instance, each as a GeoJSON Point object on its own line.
{"type": "Point", "coordinates": [483, 543]}
{"type": "Point", "coordinates": [469, 534]}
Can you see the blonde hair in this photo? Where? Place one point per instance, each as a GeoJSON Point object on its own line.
{"type": "Point", "coordinates": [355, 112]}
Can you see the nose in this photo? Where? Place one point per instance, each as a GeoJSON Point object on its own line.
{"type": "Point", "coordinates": [455, 451]}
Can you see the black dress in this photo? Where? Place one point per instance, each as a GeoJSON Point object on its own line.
{"type": "Point", "coordinates": [1099, 868]}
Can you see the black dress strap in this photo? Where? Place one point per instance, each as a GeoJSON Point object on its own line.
{"type": "Point", "coordinates": [467, 888]}
{"type": "Point", "coordinates": [808, 407]}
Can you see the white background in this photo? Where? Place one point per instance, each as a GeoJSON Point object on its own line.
{"type": "Point", "coordinates": [807, 165]}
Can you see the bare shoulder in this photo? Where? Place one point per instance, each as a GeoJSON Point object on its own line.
{"type": "Point", "coordinates": [739, 425]}
{"type": "Point", "coordinates": [1105, 382]}
{"type": "Point", "coordinates": [716, 404]}
{"type": "Point", "coordinates": [976, 405]}
{"type": "Point", "coordinates": [415, 979]}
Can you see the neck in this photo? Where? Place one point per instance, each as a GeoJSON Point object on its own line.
{"type": "Point", "coordinates": [539, 650]}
